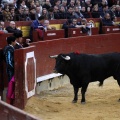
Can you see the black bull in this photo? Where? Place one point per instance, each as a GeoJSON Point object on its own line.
{"type": "Point", "coordinates": [85, 68]}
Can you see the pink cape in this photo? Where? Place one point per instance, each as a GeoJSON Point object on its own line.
{"type": "Point", "coordinates": [11, 89]}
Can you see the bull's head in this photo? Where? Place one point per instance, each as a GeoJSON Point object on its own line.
{"type": "Point", "coordinates": [61, 63]}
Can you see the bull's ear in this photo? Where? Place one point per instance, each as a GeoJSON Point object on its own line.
{"type": "Point", "coordinates": [66, 57]}
{"type": "Point", "coordinates": [54, 56]}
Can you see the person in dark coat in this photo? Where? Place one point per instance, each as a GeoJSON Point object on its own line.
{"type": "Point", "coordinates": [117, 12]}
{"type": "Point", "coordinates": [62, 13]}
{"type": "Point", "coordinates": [84, 12]}
{"type": "Point", "coordinates": [70, 13]}
{"type": "Point", "coordinates": [12, 27]}
{"type": "Point", "coordinates": [37, 25]}
{"type": "Point", "coordinates": [8, 54]}
{"type": "Point", "coordinates": [47, 4]}
{"type": "Point", "coordinates": [106, 21]}
{"type": "Point", "coordinates": [19, 40]}
{"type": "Point", "coordinates": [95, 12]}
{"type": "Point", "coordinates": [68, 24]}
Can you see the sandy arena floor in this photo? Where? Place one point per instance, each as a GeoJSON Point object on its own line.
{"type": "Point", "coordinates": [101, 103]}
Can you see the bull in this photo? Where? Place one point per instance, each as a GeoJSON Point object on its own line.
{"type": "Point", "coordinates": [85, 68]}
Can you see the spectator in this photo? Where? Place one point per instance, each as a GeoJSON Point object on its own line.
{"type": "Point", "coordinates": [20, 15]}
{"type": "Point", "coordinates": [45, 13]}
{"type": "Point", "coordinates": [106, 21]}
{"type": "Point", "coordinates": [12, 27]}
{"type": "Point", "coordinates": [13, 16]}
{"type": "Point", "coordinates": [19, 40]}
{"type": "Point", "coordinates": [78, 4]}
{"type": "Point", "coordinates": [88, 3]}
{"type": "Point", "coordinates": [68, 24]}
{"type": "Point", "coordinates": [77, 13]}
{"type": "Point", "coordinates": [37, 3]}
{"type": "Point", "coordinates": [38, 12]}
{"type": "Point", "coordinates": [70, 13]}
{"type": "Point", "coordinates": [117, 12]}
{"type": "Point", "coordinates": [72, 4]}
{"type": "Point", "coordinates": [82, 2]}
{"type": "Point", "coordinates": [23, 4]}
{"type": "Point", "coordinates": [104, 5]}
{"type": "Point", "coordinates": [104, 11]}
{"type": "Point", "coordinates": [74, 23]}
{"type": "Point", "coordinates": [89, 12]}
{"type": "Point", "coordinates": [31, 4]}
{"type": "Point", "coordinates": [62, 13]}
{"type": "Point", "coordinates": [112, 11]}
{"type": "Point", "coordinates": [6, 13]}
{"type": "Point", "coordinates": [2, 28]}
{"type": "Point", "coordinates": [117, 2]}
{"type": "Point", "coordinates": [47, 4]}
{"type": "Point", "coordinates": [115, 20]}
{"type": "Point", "coordinates": [32, 13]}
{"type": "Point", "coordinates": [64, 4]}
{"type": "Point", "coordinates": [95, 12]}
{"type": "Point", "coordinates": [47, 26]}
{"type": "Point", "coordinates": [83, 25]}
{"type": "Point", "coordinates": [57, 3]}
{"type": "Point", "coordinates": [27, 14]}
{"type": "Point", "coordinates": [56, 12]}
{"type": "Point", "coordinates": [51, 14]}
{"type": "Point", "coordinates": [37, 25]}
{"type": "Point", "coordinates": [84, 13]}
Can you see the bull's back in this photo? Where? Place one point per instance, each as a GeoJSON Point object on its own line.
{"type": "Point", "coordinates": [99, 67]}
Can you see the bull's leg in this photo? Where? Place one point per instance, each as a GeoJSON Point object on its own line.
{"type": "Point", "coordinates": [75, 94]}
{"type": "Point", "coordinates": [83, 90]}
{"type": "Point", "coordinates": [117, 77]}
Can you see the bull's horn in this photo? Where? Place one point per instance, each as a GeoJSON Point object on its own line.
{"type": "Point", "coordinates": [66, 58]}
{"type": "Point", "coordinates": [54, 56]}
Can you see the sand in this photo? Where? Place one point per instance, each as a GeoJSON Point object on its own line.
{"type": "Point", "coordinates": [101, 103]}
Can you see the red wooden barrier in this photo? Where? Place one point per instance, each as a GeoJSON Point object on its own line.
{"type": "Point", "coordinates": [8, 112]}
{"type": "Point", "coordinates": [94, 31]}
{"type": "Point", "coordinates": [74, 32]}
{"type": "Point", "coordinates": [110, 29]}
{"type": "Point", "coordinates": [54, 34]}
{"type": "Point", "coordinates": [49, 35]}
{"type": "Point", "coordinates": [25, 75]}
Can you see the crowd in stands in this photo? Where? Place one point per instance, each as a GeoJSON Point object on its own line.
{"type": "Point", "coordinates": [41, 11]}
{"type": "Point", "coordinates": [26, 10]}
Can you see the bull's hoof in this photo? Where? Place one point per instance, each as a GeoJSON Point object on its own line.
{"type": "Point", "coordinates": [74, 101]}
{"type": "Point", "coordinates": [100, 84]}
{"type": "Point", "coordinates": [83, 103]}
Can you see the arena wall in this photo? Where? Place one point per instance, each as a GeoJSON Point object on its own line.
{"type": "Point", "coordinates": [32, 64]}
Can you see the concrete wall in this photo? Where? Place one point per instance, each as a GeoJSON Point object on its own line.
{"type": "Point", "coordinates": [52, 84]}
